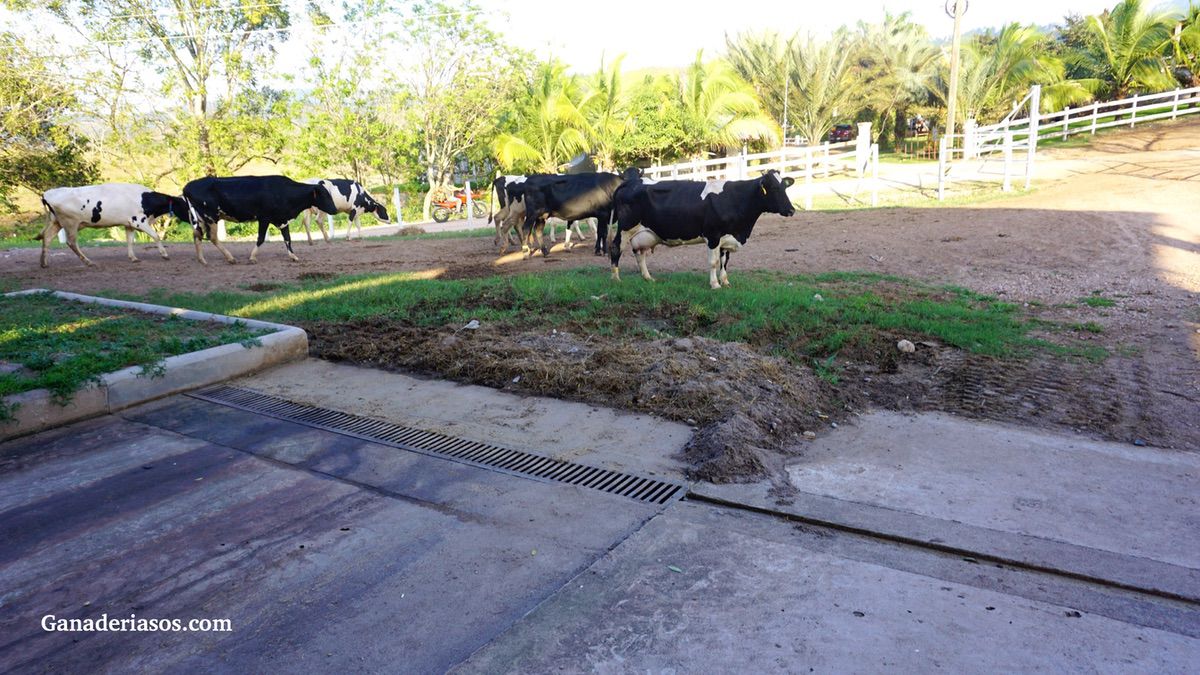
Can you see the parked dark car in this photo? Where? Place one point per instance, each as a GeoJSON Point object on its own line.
{"type": "Point", "coordinates": [841, 132]}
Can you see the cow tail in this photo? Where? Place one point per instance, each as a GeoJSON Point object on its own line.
{"type": "Point", "coordinates": [49, 220]}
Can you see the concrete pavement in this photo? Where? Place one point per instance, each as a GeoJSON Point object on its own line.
{"type": "Point", "coordinates": [333, 553]}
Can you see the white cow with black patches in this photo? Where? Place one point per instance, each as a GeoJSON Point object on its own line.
{"type": "Point", "coordinates": [351, 198]}
{"type": "Point", "coordinates": [134, 207]}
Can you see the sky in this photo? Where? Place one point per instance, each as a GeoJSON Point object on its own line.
{"type": "Point", "coordinates": [668, 32]}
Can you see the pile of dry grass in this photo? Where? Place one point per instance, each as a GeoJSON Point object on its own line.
{"type": "Point", "coordinates": [748, 408]}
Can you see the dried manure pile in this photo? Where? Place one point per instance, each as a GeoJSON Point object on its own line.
{"type": "Point", "coordinates": [756, 369]}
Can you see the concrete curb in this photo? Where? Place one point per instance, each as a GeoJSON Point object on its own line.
{"type": "Point", "coordinates": [37, 410]}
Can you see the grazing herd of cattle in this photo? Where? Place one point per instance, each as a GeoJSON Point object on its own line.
{"type": "Point", "coordinates": [721, 214]}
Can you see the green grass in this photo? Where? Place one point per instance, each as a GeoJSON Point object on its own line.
{"type": "Point", "coordinates": [860, 314]}
{"type": "Point", "coordinates": [63, 345]}
{"type": "Point", "coordinates": [1098, 301]}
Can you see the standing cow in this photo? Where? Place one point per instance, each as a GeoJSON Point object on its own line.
{"type": "Point", "coordinates": [134, 207]}
{"type": "Point", "coordinates": [719, 213]}
{"type": "Point", "coordinates": [571, 197]}
{"type": "Point", "coordinates": [349, 197]}
{"type": "Point", "coordinates": [270, 200]}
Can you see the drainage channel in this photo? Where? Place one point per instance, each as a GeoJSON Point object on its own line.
{"type": "Point", "coordinates": [484, 455]}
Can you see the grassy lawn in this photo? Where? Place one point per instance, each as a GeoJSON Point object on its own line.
{"type": "Point", "coordinates": [62, 345]}
{"type": "Point", "coordinates": [801, 317]}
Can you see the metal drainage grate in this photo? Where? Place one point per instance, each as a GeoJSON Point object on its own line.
{"type": "Point", "coordinates": [494, 457]}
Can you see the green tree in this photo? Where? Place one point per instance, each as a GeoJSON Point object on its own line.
{"type": "Point", "coordinates": [547, 128]}
{"type": "Point", "coordinates": [897, 66]}
{"type": "Point", "coordinates": [656, 133]}
{"type": "Point", "coordinates": [38, 149]}
{"type": "Point", "coordinates": [824, 84]}
{"type": "Point", "coordinates": [1126, 53]}
{"type": "Point", "coordinates": [1185, 46]}
{"type": "Point", "coordinates": [606, 109]}
{"type": "Point", "coordinates": [465, 75]}
{"type": "Point", "coordinates": [207, 54]}
{"type": "Point", "coordinates": [720, 110]}
{"type": "Point", "coordinates": [997, 71]}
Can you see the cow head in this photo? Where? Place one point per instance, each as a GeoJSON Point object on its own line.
{"type": "Point", "coordinates": [377, 208]}
{"type": "Point", "coordinates": [179, 209]}
{"type": "Point", "coordinates": [774, 193]}
{"type": "Point", "coordinates": [322, 198]}
{"type": "Point", "coordinates": [631, 173]}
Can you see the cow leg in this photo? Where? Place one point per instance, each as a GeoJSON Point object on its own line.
{"type": "Point", "coordinates": [129, 244]}
{"type": "Point", "coordinates": [541, 233]}
{"type": "Point", "coordinates": [308, 214]}
{"type": "Point", "coordinates": [286, 231]}
{"type": "Point", "coordinates": [614, 254]}
{"type": "Point", "coordinates": [356, 223]}
{"type": "Point", "coordinates": [216, 240]}
{"type": "Point", "coordinates": [353, 216]}
{"type": "Point", "coordinates": [51, 231]}
{"type": "Point", "coordinates": [602, 225]}
{"type": "Point", "coordinates": [148, 228]}
{"type": "Point", "coordinates": [641, 261]}
{"type": "Point", "coordinates": [72, 235]}
{"type": "Point", "coordinates": [197, 235]}
{"type": "Point", "coordinates": [725, 255]}
{"type": "Point", "coordinates": [714, 265]}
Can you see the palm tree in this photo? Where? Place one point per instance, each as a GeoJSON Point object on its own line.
{"type": "Point", "coordinates": [1185, 47]}
{"type": "Point", "coordinates": [996, 71]}
{"type": "Point", "coordinates": [898, 66]}
{"type": "Point", "coordinates": [721, 110]}
{"type": "Point", "coordinates": [1126, 53]}
{"type": "Point", "coordinates": [606, 108]}
{"type": "Point", "coordinates": [548, 128]}
{"type": "Point", "coordinates": [823, 83]}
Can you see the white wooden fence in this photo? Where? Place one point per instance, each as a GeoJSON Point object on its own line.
{"type": "Point", "coordinates": [857, 158]}
{"type": "Point", "coordinates": [1021, 135]}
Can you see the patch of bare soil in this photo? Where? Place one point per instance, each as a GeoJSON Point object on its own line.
{"type": "Point", "coordinates": [748, 409]}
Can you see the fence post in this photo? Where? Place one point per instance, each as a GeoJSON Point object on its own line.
{"type": "Point", "coordinates": [862, 148]}
{"type": "Point", "coordinates": [969, 139]}
{"type": "Point", "coordinates": [808, 172]}
{"type": "Point", "coordinates": [396, 205]}
{"type": "Point", "coordinates": [942, 169]}
{"type": "Point", "coordinates": [742, 165]}
{"type": "Point", "coordinates": [1035, 113]}
{"type": "Point", "coordinates": [62, 236]}
{"type": "Point", "coordinates": [1066, 121]}
{"type": "Point", "coordinates": [329, 224]}
{"type": "Point", "coordinates": [825, 159]}
{"type": "Point", "coordinates": [1008, 155]}
{"type": "Point", "coordinates": [1133, 112]}
{"type": "Point", "coordinates": [1095, 116]}
{"type": "Point", "coordinates": [1175, 105]}
{"type": "Point", "coordinates": [221, 229]}
{"type": "Point", "coordinates": [467, 188]}
{"type": "Point", "coordinates": [875, 175]}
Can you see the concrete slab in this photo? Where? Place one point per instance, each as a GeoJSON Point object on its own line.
{"type": "Point", "coordinates": [1133, 501]}
{"type": "Point", "coordinates": [326, 553]}
{"type": "Point", "coordinates": [700, 590]}
{"type": "Point", "coordinates": [565, 430]}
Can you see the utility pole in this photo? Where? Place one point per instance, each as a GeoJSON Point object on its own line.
{"type": "Point", "coordinates": [786, 81]}
{"type": "Point", "coordinates": [954, 8]}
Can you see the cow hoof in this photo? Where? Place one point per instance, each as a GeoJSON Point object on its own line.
{"type": "Point", "coordinates": [166, 257]}
{"type": "Point", "coordinates": [715, 287]}
{"type": "Point", "coordinates": [89, 263]}
{"type": "Point", "coordinates": [133, 260]}
{"type": "Point", "coordinates": [725, 283]}
{"type": "Point", "coordinates": [294, 258]}
{"type": "Point", "coordinates": [45, 266]}
{"type": "Point", "coordinates": [231, 261]}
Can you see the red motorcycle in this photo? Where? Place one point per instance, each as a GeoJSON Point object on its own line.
{"type": "Point", "coordinates": [445, 208]}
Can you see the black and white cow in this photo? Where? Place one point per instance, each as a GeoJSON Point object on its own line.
{"type": "Point", "coordinates": [269, 200]}
{"type": "Point", "coordinates": [509, 196]}
{"type": "Point", "coordinates": [571, 197]}
{"type": "Point", "coordinates": [718, 213]}
{"type": "Point", "coordinates": [349, 197]}
{"type": "Point", "coordinates": [134, 207]}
